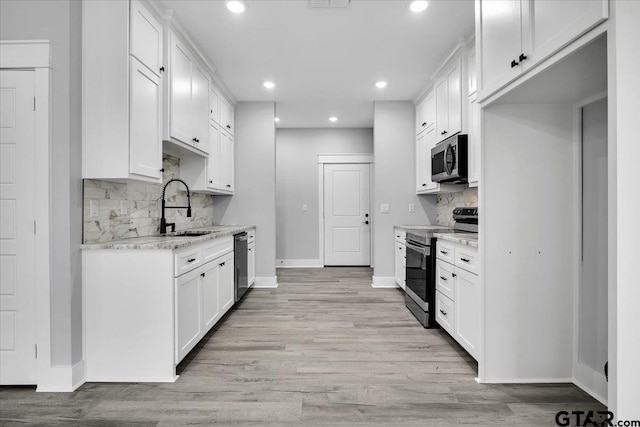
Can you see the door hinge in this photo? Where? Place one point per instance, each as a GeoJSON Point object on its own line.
{"type": "Point", "coordinates": [36, 348]}
{"type": "Point", "coordinates": [35, 228]}
{"type": "Point", "coordinates": [34, 103]}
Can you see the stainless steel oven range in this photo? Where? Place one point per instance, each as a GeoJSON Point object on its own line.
{"type": "Point", "coordinates": [420, 290]}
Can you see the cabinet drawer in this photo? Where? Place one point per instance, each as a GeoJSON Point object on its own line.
{"type": "Point", "coordinates": [444, 313]}
{"type": "Point", "coordinates": [445, 251]}
{"type": "Point", "coordinates": [467, 259]}
{"type": "Point", "coordinates": [401, 236]}
{"type": "Point", "coordinates": [216, 248]}
{"type": "Point", "coordinates": [445, 278]}
{"type": "Point", "coordinates": [188, 259]}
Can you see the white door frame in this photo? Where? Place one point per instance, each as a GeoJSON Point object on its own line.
{"type": "Point", "coordinates": [324, 159]}
{"type": "Point", "coordinates": [36, 56]}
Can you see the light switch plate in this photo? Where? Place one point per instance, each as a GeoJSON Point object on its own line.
{"type": "Point", "coordinates": [305, 208]}
{"type": "Point", "coordinates": [384, 208]}
{"type": "Point", "coordinates": [412, 207]}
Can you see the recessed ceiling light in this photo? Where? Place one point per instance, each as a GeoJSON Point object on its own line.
{"type": "Point", "coordinates": [236, 6]}
{"type": "Point", "coordinates": [333, 119]}
{"type": "Point", "coordinates": [277, 119]}
{"type": "Point", "coordinates": [418, 5]}
{"type": "Point", "coordinates": [269, 85]}
{"type": "Point", "coordinates": [381, 85]}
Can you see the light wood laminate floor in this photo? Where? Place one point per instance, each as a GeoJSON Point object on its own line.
{"type": "Point", "coordinates": [324, 348]}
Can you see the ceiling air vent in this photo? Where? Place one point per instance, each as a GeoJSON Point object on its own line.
{"type": "Point", "coordinates": [329, 3]}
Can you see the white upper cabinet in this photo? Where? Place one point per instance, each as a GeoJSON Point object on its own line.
{"type": "Point", "coordinates": [424, 143]}
{"type": "Point", "coordinates": [227, 162]}
{"type": "Point", "coordinates": [426, 113]}
{"type": "Point", "coordinates": [188, 100]}
{"type": "Point", "coordinates": [214, 175]}
{"type": "Point", "coordinates": [214, 105]}
{"type": "Point", "coordinates": [515, 35]}
{"type": "Point", "coordinates": [146, 37]}
{"type": "Point", "coordinates": [421, 123]}
{"type": "Point", "coordinates": [226, 116]}
{"type": "Point", "coordinates": [122, 92]}
{"type": "Point", "coordinates": [449, 101]}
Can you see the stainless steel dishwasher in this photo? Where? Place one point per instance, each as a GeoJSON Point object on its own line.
{"type": "Point", "coordinates": [241, 278]}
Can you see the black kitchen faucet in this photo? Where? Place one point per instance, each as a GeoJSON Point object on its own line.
{"type": "Point", "coordinates": [163, 220]}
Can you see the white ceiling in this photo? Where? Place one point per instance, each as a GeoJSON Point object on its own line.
{"type": "Point", "coordinates": [325, 61]}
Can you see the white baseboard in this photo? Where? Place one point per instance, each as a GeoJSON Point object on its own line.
{"type": "Point", "coordinates": [266, 282]}
{"type": "Point", "coordinates": [133, 379]}
{"type": "Point", "coordinates": [524, 380]}
{"type": "Point", "coordinates": [592, 382]}
{"type": "Point", "coordinates": [299, 263]}
{"type": "Point", "coordinates": [62, 379]}
{"type": "Point", "coordinates": [383, 282]}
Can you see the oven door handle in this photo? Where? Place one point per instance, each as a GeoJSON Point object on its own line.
{"type": "Point", "coordinates": [422, 250]}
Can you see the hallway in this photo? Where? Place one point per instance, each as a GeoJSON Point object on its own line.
{"type": "Point", "coordinates": [323, 348]}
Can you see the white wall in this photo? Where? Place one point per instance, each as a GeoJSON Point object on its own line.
{"type": "Point", "coordinates": [527, 238]}
{"type": "Point", "coordinates": [395, 182]}
{"type": "Point", "coordinates": [592, 309]}
{"type": "Point", "coordinates": [624, 250]}
{"type": "Point", "coordinates": [59, 21]}
{"type": "Point", "coordinates": [297, 153]}
{"type": "Point", "coordinates": [254, 202]}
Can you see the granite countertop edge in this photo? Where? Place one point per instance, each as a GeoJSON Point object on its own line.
{"type": "Point", "coordinates": [169, 241]}
{"type": "Point", "coordinates": [464, 239]}
{"type": "Point", "coordinates": [422, 227]}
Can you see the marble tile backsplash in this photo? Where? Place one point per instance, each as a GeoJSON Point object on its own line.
{"type": "Point", "coordinates": [448, 201]}
{"type": "Point", "coordinates": [142, 202]}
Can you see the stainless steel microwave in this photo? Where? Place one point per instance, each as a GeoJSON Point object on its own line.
{"type": "Point", "coordinates": [449, 160]}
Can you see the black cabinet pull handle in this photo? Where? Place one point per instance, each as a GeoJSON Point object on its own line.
{"type": "Point", "coordinates": [514, 63]}
{"type": "Point", "coordinates": [194, 140]}
{"type": "Point", "coordinates": [443, 278]}
{"type": "Point", "coordinates": [191, 259]}
{"type": "Point", "coordinates": [464, 259]}
{"type": "Point", "coordinates": [444, 252]}
{"type": "Point", "coordinates": [229, 185]}
{"type": "Point", "coordinates": [366, 222]}
{"type": "Point", "coordinates": [522, 57]}
{"type": "Point", "coordinates": [162, 69]}
{"type": "Point", "coordinates": [249, 249]}
{"type": "Point", "coordinates": [210, 181]}
{"type": "Point", "coordinates": [222, 264]}
{"type": "Point", "coordinates": [444, 313]}
{"type": "Point", "coordinates": [454, 275]}
{"type": "Point", "coordinates": [202, 274]}
{"type": "Point", "coordinates": [424, 123]}
{"type": "Point", "coordinates": [162, 170]}
{"type": "Point", "coordinates": [424, 185]}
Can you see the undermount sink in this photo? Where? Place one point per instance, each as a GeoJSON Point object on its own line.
{"type": "Point", "coordinates": [191, 233]}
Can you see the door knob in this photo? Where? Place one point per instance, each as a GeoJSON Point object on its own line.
{"type": "Point", "coordinates": [366, 215]}
{"type": "Point", "coordinates": [365, 222]}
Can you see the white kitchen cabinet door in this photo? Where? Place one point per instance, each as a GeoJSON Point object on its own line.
{"type": "Point", "coordinates": [498, 34]}
{"type": "Point", "coordinates": [214, 105]}
{"type": "Point", "coordinates": [227, 161]}
{"type": "Point", "coordinates": [251, 262]}
{"type": "Point", "coordinates": [145, 138]}
{"type": "Point", "coordinates": [188, 312]}
{"type": "Point", "coordinates": [423, 162]}
{"type": "Point", "coordinates": [225, 112]}
{"type": "Point", "coordinates": [210, 298]}
{"type": "Point", "coordinates": [421, 123]}
{"type": "Point", "coordinates": [146, 37]}
{"type": "Point", "coordinates": [180, 92]}
{"type": "Point", "coordinates": [442, 113]}
{"type": "Point", "coordinates": [474, 143]}
{"type": "Point", "coordinates": [214, 165]}
{"type": "Point", "coordinates": [227, 284]}
{"type": "Point", "coordinates": [232, 117]}
{"type": "Point", "coordinates": [467, 313]}
{"type": "Point", "coordinates": [548, 25]}
{"type": "Point", "coordinates": [472, 76]}
{"type": "Point", "coordinates": [400, 251]}
{"type": "Point", "coordinates": [200, 109]}
{"type": "Point", "coordinates": [454, 98]}
{"type": "Point", "coordinates": [430, 109]}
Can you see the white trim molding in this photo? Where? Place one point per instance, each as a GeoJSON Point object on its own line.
{"type": "Point", "coordinates": [591, 381]}
{"type": "Point", "coordinates": [345, 158]}
{"type": "Point", "coordinates": [36, 55]}
{"type": "Point", "coordinates": [266, 282]}
{"type": "Point", "coordinates": [383, 282]}
{"type": "Point", "coordinates": [299, 263]}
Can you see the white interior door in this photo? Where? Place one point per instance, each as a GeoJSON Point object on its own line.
{"type": "Point", "coordinates": [17, 238]}
{"type": "Point", "coordinates": [347, 218]}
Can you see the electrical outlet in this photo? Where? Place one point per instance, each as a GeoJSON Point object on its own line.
{"type": "Point", "coordinates": [123, 207]}
{"type": "Point", "coordinates": [384, 208]}
{"type": "Point", "coordinates": [93, 208]}
{"type": "Point", "coordinates": [412, 207]}
{"type": "Point", "coordinates": [305, 208]}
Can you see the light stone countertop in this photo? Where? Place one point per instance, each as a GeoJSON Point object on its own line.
{"type": "Point", "coordinates": [469, 239]}
{"type": "Point", "coordinates": [170, 241]}
{"type": "Point", "coordinates": [422, 227]}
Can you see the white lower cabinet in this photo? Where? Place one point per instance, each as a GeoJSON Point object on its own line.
{"type": "Point", "coordinates": [401, 258]}
{"type": "Point", "coordinates": [458, 293]}
{"type": "Point", "coordinates": [145, 309]}
{"type": "Point", "coordinates": [251, 257]}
